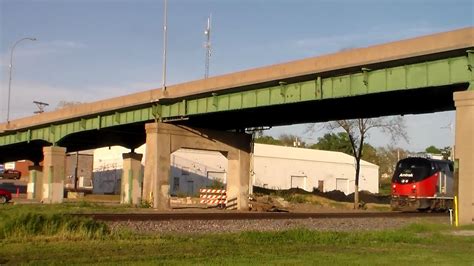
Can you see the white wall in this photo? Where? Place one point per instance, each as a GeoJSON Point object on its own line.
{"type": "Point", "coordinates": [195, 169]}
{"type": "Point", "coordinates": [197, 165]}
{"type": "Point", "coordinates": [273, 166]}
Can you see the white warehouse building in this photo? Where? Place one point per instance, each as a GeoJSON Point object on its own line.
{"type": "Point", "coordinates": [274, 167]}
{"type": "Point", "coordinates": [279, 167]}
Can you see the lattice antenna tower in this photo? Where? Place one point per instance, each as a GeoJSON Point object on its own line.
{"type": "Point", "coordinates": [207, 46]}
{"type": "Point", "coordinates": [41, 106]}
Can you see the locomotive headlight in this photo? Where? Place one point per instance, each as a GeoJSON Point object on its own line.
{"type": "Point", "coordinates": [414, 186]}
{"type": "Point", "coordinates": [394, 186]}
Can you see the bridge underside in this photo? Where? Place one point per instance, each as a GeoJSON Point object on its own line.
{"type": "Point", "coordinates": [32, 151]}
{"type": "Point", "coordinates": [129, 136]}
{"type": "Point", "coordinates": [419, 101]}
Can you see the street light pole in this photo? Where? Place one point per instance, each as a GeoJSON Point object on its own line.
{"type": "Point", "coordinates": [165, 29]}
{"type": "Point", "coordinates": [11, 69]}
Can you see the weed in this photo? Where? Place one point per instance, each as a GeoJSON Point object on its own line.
{"type": "Point", "coordinates": [145, 204]}
{"type": "Point", "coordinates": [86, 204]}
{"type": "Point", "coordinates": [29, 225]}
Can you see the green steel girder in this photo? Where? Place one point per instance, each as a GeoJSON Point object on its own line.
{"type": "Point", "coordinates": [451, 71]}
{"type": "Point", "coordinates": [54, 133]}
{"type": "Point", "coordinates": [415, 76]}
{"type": "Point", "coordinates": [470, 65]}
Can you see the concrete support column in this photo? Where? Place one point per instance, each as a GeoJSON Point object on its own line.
{"type": "Point", "coordinates": [131, 178]}
{"type": "Point", "coordinates": [464, 153]}
{"type": "Point", "coordinates": [54, 165]}
{"type": "Point", "coordinates": [35, 183]}
{"type": "Point", "coordinates": [162, 139]}
{"type": "Point", "coordinates": [157, 167]}
{"type": "Point", "coordinates": [238, 177]}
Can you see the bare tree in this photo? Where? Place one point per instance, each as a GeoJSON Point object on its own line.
{"type": "Point", "coordinates": [388, 158]}
{"type": "Point", "coordinates": [358, 129]}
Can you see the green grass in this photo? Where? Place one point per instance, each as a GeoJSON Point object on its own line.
{"type": "Point", "coordinates": [26, 226]}
{"type": "Point", "coordinates": [296, 198]}
{"type": "Point", "coordinates": [68, 207]}
{"type": "Point", "coordinates": [44, 235]}
{"type": "Point", "coordinates": [420, 244]}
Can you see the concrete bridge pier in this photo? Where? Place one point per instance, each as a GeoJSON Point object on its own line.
{"type": "Point", "coordinates": [131, 178]}
{"type": "Point", "coordinates": [464, 153]}
{"type": "Point", "coordinates": [157, 168]}
{"type": "Point", "coordinates": [238, 179]}
{"type": "Point", "coordinates": [54, 165]}
{"type": "Point", "coordinates": [35, 182]}
{"type": "Point", "coordinates": [163, 139]}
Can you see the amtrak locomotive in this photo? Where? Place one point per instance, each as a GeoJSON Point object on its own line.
{"type": "Point", "coordinates": [422, 184]}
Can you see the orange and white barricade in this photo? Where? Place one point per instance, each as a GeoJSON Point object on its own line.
{"type": "Point", "coordinates": [212, 197]}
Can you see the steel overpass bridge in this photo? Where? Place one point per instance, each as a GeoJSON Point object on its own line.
{"type": "Point", "coordinates": [411, 76]}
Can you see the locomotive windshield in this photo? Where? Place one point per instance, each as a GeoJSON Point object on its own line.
{"type": "Point", "coordinates": [413, 170]}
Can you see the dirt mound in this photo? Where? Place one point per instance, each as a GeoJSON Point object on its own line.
{"type": "Point", "coordinates": [336, 195]}
{"type": "Point", "coordinates": [368, 197]}
{"type": "Point", "coordinates": [291, 191]}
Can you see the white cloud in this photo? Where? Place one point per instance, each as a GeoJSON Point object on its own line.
{"type": "Point", "coordinates": [375, 35]}
{"type": "Point", "coordinates": [67, 44]}
{"type": "Point", "coordinates": [41, 48]}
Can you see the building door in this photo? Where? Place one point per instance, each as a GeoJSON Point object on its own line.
{"type": "Point", "coordinates": [321, 185]}
{"type": "Point", "coordinates": [298, 182]}
{"type": "Point", "coordinates": [190, 187]}
{"type": "Point", "coordinates": [342, 184]}
{"type": "Point", "coordinates": [175, 185]}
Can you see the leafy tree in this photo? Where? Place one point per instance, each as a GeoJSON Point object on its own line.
{"type": "Point", "coordinates": [341, 142]}
{"type": "Point", "coordinates": [433, 150]}
{"type": "Point", "coordinates": [357, 131]}
{"type": "Point", "coordinates": [446, 152]}
{"type": "Point", "coordinates": [268, 140]}
{"type": "Point", "coordinates": [334, 142]}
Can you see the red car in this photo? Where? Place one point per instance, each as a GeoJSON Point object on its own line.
{"type": "Point", "coordinates": [5, 196]}
{"type": "Point", "coordinates": [11, 174]}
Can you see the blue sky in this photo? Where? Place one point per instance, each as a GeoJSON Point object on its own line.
{"type": "Point", "coordinates": [91, 50]}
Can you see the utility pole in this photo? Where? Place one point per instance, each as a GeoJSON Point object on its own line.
{"type": "Point", "coordinates": [165, 22]}
{"type": "Point", "coordinates": [76, 168]}
{"type": "Point", "coordinates": [296, 143]}
{"type": "Point", "coordinates": [450, 126]}
{"type": "Point", "coordinates": [11, 70]}
{"type": "Point", "coordinates": [207, 45]}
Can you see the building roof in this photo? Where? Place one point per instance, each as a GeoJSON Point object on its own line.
{"type": "Point", "coordinates": [293, 153]}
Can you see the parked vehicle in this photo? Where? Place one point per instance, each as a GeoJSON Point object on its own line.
{"type": "Point", "coordinates": [5, 196]}
{"type": "Point", "coordinates": [10, 174]}
{"type": "Point", "coordinates": [423, 184]}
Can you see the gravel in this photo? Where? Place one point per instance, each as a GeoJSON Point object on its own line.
{"type": "Point", "coordinates": [226, 226]}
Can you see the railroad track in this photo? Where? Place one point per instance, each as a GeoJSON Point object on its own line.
{"type": "Point", "coordinates": [251, 216]}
